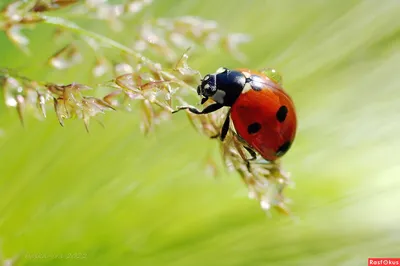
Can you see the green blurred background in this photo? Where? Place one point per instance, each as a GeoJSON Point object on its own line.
{"type": "Point", "coordinates": [126, 199]}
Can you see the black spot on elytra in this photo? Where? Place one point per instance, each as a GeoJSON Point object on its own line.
{"type": "Point", "coordinates": [283, 148]}
{"type": "Point", "coordinates": [253, 128]}
{"type": "Point", "coordinates": [281, 113]}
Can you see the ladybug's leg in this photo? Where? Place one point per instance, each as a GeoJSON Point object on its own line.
{"type": "Point", "coordinates": [253, 157]}
{"type": "Point", "coordinates": [209, 109]}
{"type": "Point", "coordinates": [225, 127]}
{"type": "Point", "coordinates": [252, 153]}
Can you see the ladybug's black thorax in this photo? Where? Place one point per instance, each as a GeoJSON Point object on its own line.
{"type": "Point", "coordinates": [230, 84]}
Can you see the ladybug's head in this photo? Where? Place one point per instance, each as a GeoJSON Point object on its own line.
{"type": "Point", "coordinates": [208, 86]}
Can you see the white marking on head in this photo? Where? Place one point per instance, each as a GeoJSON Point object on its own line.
{"type": "Point", "coordinates": [206, 78]}
{"type": "Point", "coordinates": [246, 88]}
{"type": "Point", "coordinates": [219, 96]}
{"type": "Point", "coordinates": [221, 70]}
{"type": "Point", "coordinates": [246, 74]}
{"type": "Point", "coordinates": [206, 86]}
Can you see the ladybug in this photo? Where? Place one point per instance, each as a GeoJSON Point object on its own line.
{"type": "Point", "coordinates": [263, 114]}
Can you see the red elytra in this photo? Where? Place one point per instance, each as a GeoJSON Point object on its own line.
{"type": "Point", "coordinates": [265, 119]}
